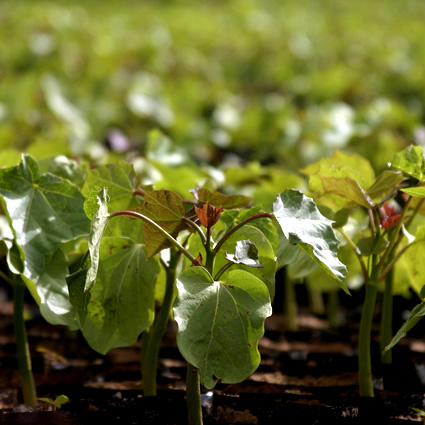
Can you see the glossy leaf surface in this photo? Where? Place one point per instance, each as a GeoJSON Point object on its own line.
{"type": "Point", "coordinates": [411, 161]}
{"type": "Point", "coordinates": [302, 224]}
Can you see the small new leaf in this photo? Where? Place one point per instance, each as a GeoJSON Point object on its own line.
{"type": "Point", "coordinates": [246, 253]}
{"type": "Point", "coordinates": [208, 214]}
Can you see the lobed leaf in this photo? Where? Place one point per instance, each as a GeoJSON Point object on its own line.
{"type": "Point", "coordinates": [221, 200]}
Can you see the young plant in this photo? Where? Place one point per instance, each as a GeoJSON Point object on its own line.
{"type": "Point", "coordinates": [42, 212]}
{"type": "Point", "coordinates": [347, 182]}
{"type": "Point", "coordinates": [220, 267]}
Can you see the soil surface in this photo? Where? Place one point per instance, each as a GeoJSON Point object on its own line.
{"type": "Point", "coordinates": [310, 375]}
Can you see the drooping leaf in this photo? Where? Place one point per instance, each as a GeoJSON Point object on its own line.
{"type": "Point", "coordinates": [246, 253]}
{"type": "Point", "coordinates": [415, 316]}
{"type": "Point", "coordinates": [221, 200]}
{"type": "Point", "coordinates": [99, 223]}
{"type": "Point", "coordinates": [167, 210]}
{"type": "Point", "coordinates": [302, 224]}
{"type": "Point", "coordinates": [121, 303]}
{"type": "Point", "coordinates": [411, 161]}
{"type": "Point", "coordinates": [220, 323]}
{"type": "Point", "coordinates": [302, 266]}
{"type": "Point", "coordinates": [415, 192]}
{"type": "Point", "coordinates": [44, 211]}
{"type": "Point", "coordinates": [118, 179]}
{"type": "Point", "coordinates": [385, 186]}
{"type": "Point", "coordinates": [77, 296]}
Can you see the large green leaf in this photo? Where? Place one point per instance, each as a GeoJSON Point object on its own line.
{"type": "Point", "coordinates": [220, 323]}
{"type": "Point", "coordinates": [415, 192]}
{"type": "Point", "coordinates": [44, 211]}
{"type": "Point", "coordinates": [302, 224]}
{"type": "Point", "coordinates": [121, 303]}
{"type": "Point", "coordinates": [118, 179]}
{"type": "Point", "coordinates": [411, 161]}
{"type": "Point", "coordinates": [167, 210]}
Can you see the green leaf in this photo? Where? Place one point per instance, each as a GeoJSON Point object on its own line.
{"type": "Point", "coordinates": [99, 223]}
{"type": "Point", "coordinates": [220, 323]}
{"type": "Point", "coordinates": [302, 224]}
{"type": "Point", "coordinates": [118, 179]}
{"type": "Point", "coordinates": [372, 246]}
{"type": "Point", "coordinates": [266, 255]}
{"type": "Point", "coordinates": [77, 296]}
{"type": "Point", "coordinates": [414, 317]}
{"type": "Point", "coordinates": [302, 266]}
{"type": "Point", "coordinates": [415, 192]}
{"type": "Point", "coordinates": [385, 186]}
{"type": "Point", "coordinates": [167, 210]}
{"type": "Point", "coordinates": [121, 303]}
{"type": "Point", "coordinates": [44, 211]}
{"type": "Point", "coordinates": [246, 253]}
{"type": "Point", "coordinates": [220, 200]}
{"type": "Point", "coordinates": [340, 181]}
{"type": "Point", "coordinates": [411, 161]}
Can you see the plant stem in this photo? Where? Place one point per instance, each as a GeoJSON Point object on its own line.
{"type": "Point", "coordinates": [365, 362]}
{"type": "Point", "coordinates": [22, 348]}
{"type": "Point", "coordinates": [176, 243]}
{"type": "Point", "coordinates": [238, 226]}
{"type": "Point", "coordinates": [333, 309]}
{"type": "Point", "coordinates": [151, 351]}
{"type": "Point", "coordinates": [290, 303]}
{"type": "Point", "coordinates": [193, 395]}
{"type": "Point", "coordinates": [387, 318]}
{"type": "Point", "coordinates": [315, 298]}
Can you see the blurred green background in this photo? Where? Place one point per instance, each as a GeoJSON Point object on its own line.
{"type": "Point", "coordinates": [277, 82]}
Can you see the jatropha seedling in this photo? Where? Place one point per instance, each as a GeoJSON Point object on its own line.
{"type": "Point", "coordinates": [213, 260]}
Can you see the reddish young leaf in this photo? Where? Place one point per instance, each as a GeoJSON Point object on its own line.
{"type": "Point", "coordinates": [208, 214]}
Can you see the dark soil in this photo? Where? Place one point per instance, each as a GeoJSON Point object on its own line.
{"type": "Point", "coordinates": [305, 377]}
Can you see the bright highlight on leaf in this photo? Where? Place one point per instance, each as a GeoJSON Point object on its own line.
{"type": "Point", "coordinates": [302, 224]}
{"type": "Point", "coordinates": [246, 253]}
{"type": "Point", "coordinates": [100, 220]}
{"type": "Point", "coordinates": [411, 161]}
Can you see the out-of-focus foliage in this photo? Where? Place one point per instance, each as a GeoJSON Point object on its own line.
{"type": "Point", "coordinates": [269, 81]}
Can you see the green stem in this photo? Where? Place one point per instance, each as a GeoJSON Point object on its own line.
{"type": "Point", "coordinates": [209, 262]}
{"type": "Point", "coordinates": [387, 318]}
{"type": "Point", "coordinates": [22, 348]}
{"type": "Point", "coordinates": [356, 252]}
{"type": "Point", "coordinates": [365, 362]}
{"type": "Point", "coordinates": [333, 309]}
{"type": "Point", "coordinates": [193, 395]}
{"type": "Point", "coordinates": [180, 247]}
{"type": "Point", "coordinates": [151, 351]}
{"type": "Point", "coordinates": [315, 299]}
{"type": "Point", "coordinates": [238, 226]}
{"type": "Point", "coordinates": [290, 304]}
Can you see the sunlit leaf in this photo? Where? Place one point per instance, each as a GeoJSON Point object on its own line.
{"type": "Point", "coordinates": [415, 192]}
{"type": "Point", "coordinates": [167, 210]}
{"type": "Point", "coordinates": [220, 323]}
{"type": "Point", "coordinates": [303, 225]}
{"type": "Point", "coordinates": [221, 200]}
{"type": "Point", "coordinates": [411, 161]}
{"type": "Point", "coordinates": [246, 253]}
{"type": "Point", "coordinates": [118, 179]}
{"type": "Point", "coordinates": [385, 186]}
{"type": "Point", "coordinates": [99, 223]}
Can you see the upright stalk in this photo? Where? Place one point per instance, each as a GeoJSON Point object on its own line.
{"type": "Point", "coordinates": [290, 304]}
{"type": "Point", "coordinates": [22, 348]}
{"type": "Point", "coordinates": [154, 337]}
{"type": "Point", "coordinates": [193, 395]}
{"type": "Point", "coordinates": [333, 309]}
{"type": "Point", "coordinates": [387, 318]}
{"type": "Point", "coordinates": [365, 361]}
